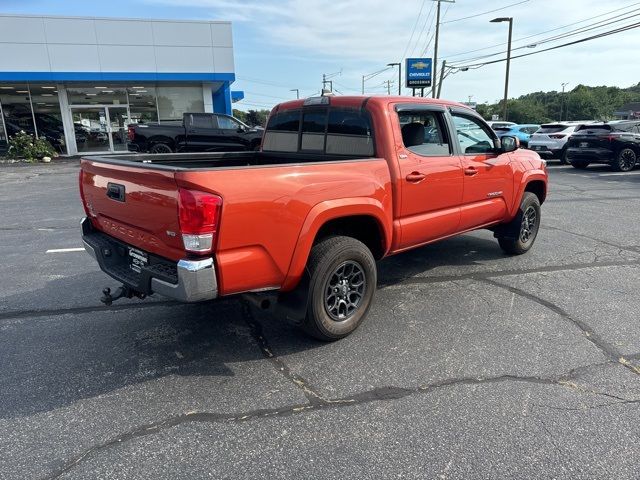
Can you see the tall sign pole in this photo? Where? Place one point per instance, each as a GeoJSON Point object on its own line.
{"type": "Point", "coordinates": [435, 48]}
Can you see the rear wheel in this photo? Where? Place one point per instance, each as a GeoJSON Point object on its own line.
{"type": "Point", "coordinates": [343, 282]}
{"type": "Point", "coordinates": [525, 226]}
{"type": "Point", "coordinates": [625, 161]}
{"type": "Point", "coordinates": [160, 148]}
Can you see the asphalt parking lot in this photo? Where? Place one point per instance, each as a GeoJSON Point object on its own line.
{"type": "Point", "coordinates": [472, 364]}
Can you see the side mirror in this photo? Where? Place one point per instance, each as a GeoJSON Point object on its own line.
{"type": "Point", "coordinates": [241, 129]}
{"type": "Point", "coordinates": [509, 144]}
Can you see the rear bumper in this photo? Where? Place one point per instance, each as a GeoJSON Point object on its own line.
{"type": "Point", "coordinates": [186, 280]}
{"type": "Point", "coordinates": [594, 155]}
{"type": "Point", "coordinates": [544, 151]}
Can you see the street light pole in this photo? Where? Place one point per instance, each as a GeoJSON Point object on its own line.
{"type": "Point", "coordinates": [399, 65]}
{"type": "Point", "coordinates": [506, 81]}
{"type": "Point", "coordinates": [297, 92]}
{"type": "Point", "coordinates": [562, 100]}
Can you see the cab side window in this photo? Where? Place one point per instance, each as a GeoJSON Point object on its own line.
{"type": "Point", "coordinates": [472, 135]}
{"type": "Point", "coordinates": [423, 133]}
{"type": "Point", "coordinates": [227, 123]}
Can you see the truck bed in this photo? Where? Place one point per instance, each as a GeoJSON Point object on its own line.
{"type": "Point", "coordinates": [209, 161]}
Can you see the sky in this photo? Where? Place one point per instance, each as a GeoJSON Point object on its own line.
{"type": "Point", "coordinates": [282, 45]}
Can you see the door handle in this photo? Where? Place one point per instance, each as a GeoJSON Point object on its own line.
{"type": "Point", "coordinates": [470, 171]}
{"type": "Point", "coordinates": [415, 177]}
{"type": "Point", "coordinates": [191, 131]}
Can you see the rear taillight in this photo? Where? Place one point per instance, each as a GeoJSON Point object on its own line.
{"type": "Point", "coordinates": [557, 136]}
{"type": "Point", "coordinates": [199, 214]}
{"type": "Point", "coordinates": [131, 133]}
{"type": "Point", "coordinates": [613, 137]}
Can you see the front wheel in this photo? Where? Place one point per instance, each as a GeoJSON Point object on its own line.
{"type": "Point", "coordinates": [625, 161]}
{"type": "Point", "coordinates": [343, 282]}
{"type": "Point", "coordinates": [526, 224]}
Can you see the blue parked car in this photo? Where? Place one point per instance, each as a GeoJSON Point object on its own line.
{"type": "Point", "coordinates": [522, 132]}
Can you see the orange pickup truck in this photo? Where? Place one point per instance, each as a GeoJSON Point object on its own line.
{"type": "Point", "coordinates": [339, 183]}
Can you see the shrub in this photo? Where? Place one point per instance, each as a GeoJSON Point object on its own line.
{"type": "Point", "coordinates": [23, 145]}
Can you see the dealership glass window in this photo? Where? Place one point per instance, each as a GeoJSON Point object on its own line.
{"type": "Point", "coordinates": [46, 110]}
{"type": "Point", "coordinates": [100, 94]}
{"type": "Point", "coordinates": [142, 103]}
{"type": "Point", "coordinates": [16, 109]}
{"type": "Point", "coordinates": [3, 136]}
{"type": "Point", "coordinates": [173, 102]}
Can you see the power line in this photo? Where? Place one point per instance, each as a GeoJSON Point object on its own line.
{"type": "Point", "coordinates": [570, 33]}
{"type": "Point", "coordinates": [424, 26]}
{"type": "Point", "coordinates": [546, 31]}
{"type": "Point", "coordinates": [582, 40]}
{"type": "Point", "coordinates": [413, 31]}
{"type": "Point", "coordinates": [484, 13]}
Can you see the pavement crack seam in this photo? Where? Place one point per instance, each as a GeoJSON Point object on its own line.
{"type": "Point", "coordinates": [280, 366]}
{"type": "Point", "coordinates": [409, 280]}
{"type": "Point", "coordinates": [589, 334]}
{"type": "Point", "coordinates": [378, 394]}
{"type": "Point", "coordinates": [36, 313]}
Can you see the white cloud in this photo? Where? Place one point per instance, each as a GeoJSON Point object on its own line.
{"type": "Point", "coordinates": [363, 35]}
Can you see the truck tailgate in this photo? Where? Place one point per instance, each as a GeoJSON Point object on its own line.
{"type": "Point", "coordinates": [138, 206]}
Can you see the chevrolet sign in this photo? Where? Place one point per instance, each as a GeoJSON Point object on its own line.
{"type": "Point", "coordinates": [418, 72]}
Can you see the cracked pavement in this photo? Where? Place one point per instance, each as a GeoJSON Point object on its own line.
{"type": "Point", "coordinates": [472, 364]}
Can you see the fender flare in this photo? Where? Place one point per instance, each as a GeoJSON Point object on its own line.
{"type": "Point", "coordinates": [324, 212]}
{"type": "Point", "coordinates": [528, 177]}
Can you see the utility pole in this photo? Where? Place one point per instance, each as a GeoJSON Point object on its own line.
{"type": "Point", "coordinates": [388, 84]}
{"type": "Point", "coordinates": [435, 53]}
{"type": "Point", "coordinates": [435, 48]}
{"type": "Point", "coordinates": [562, 101]}
{"type": "Point", "coordinates": [506, 81]}
{"type": "Point", "coordinates": [297, 92]}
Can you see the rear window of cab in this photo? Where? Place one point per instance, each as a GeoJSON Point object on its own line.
{"type": "Point", "coordinates": [332, 131]}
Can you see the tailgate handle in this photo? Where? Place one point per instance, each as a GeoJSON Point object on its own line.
{"type": "Point", "coordinates": [115, 191]}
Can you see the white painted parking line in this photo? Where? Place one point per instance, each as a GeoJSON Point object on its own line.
{"type": "Point", "coordinates": [619, 174]}
{"type": "Point", "coordinates": [65, 250]}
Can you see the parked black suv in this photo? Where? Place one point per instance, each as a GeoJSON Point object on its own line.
{"type": "Point", "coordinates": [614, 143]}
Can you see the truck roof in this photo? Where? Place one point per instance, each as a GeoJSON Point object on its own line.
{"type": "Point", "coordinates": [357, 101]}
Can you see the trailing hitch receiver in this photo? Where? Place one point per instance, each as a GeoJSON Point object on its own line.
{"type": "Point", "coordinates": [122, 291]}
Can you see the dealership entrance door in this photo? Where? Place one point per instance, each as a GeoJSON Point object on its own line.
{"type": "Point", "coordinates": [100, 128]}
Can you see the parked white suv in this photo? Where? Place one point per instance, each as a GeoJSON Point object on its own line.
{"type": "Point", "coordinates": [550, 141]}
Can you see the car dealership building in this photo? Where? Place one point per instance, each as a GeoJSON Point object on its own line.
{"type": "Point", "coordinates": [79, 82]}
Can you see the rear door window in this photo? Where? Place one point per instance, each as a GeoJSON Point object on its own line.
{"type": "Point", "coordinates": [201, 121]}
{"type": "Point", "coordinates": [423, 133]}
{"type": "Point", "coordinates": [282, 132]}
{"type": "Point", "coordinates": [349, 133]}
